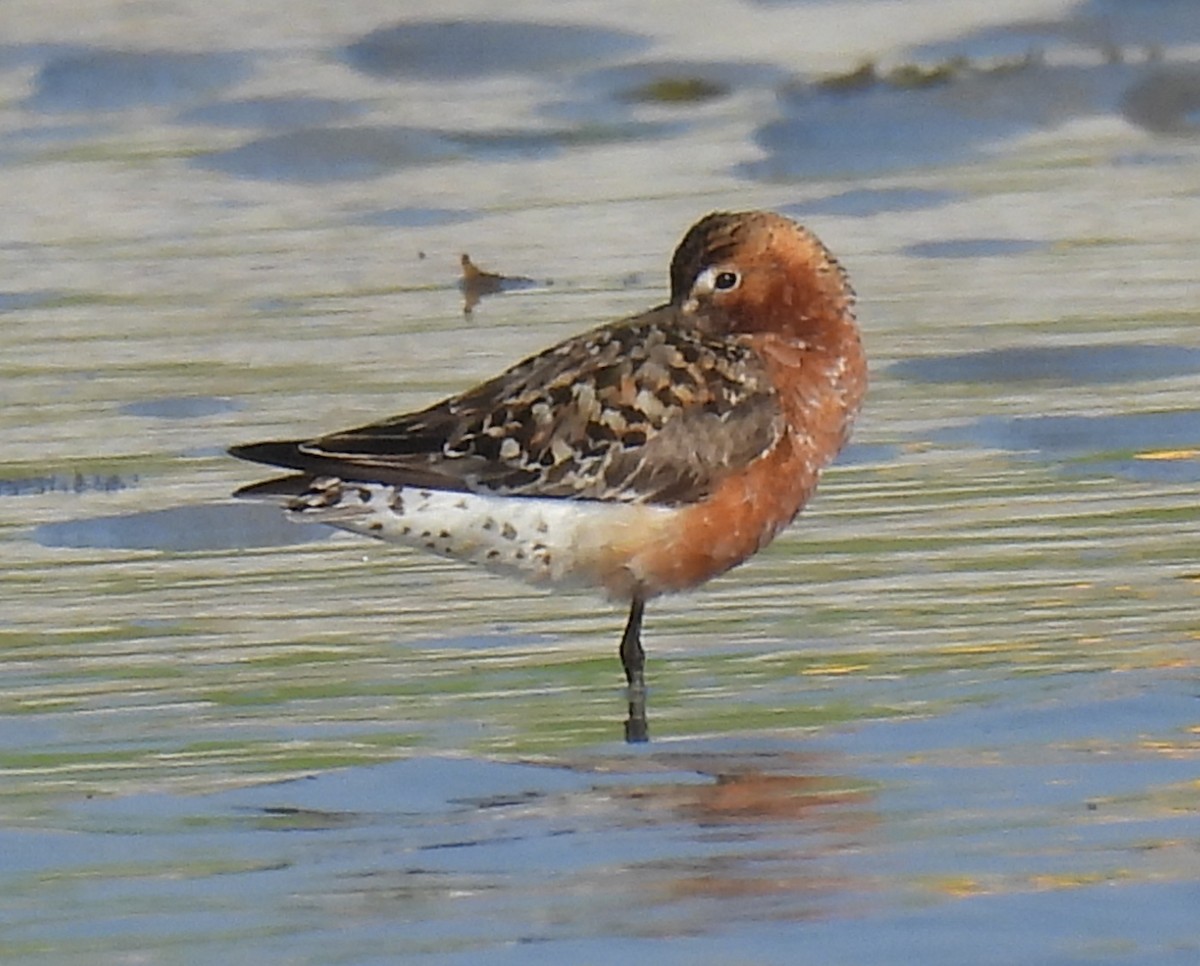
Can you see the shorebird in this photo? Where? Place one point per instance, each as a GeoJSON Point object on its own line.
{"type": "Point", "coordinates": [643, 457]}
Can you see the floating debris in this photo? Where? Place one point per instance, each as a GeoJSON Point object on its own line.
{"type": "Point", "coordinates": [862, 78]}
{"type": "Point", "coordinates": [476, 283]}
{"type": "Point", "coordinates": [914, 76]}
{"type": "Point", "coordinates": [677, 90]}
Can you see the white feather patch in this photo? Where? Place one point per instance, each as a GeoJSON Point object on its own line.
{"type": "Point", "coordinates": [537, 539]}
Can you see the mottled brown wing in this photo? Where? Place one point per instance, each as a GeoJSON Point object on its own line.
{"type": "Point", "coordinates": [645, 410]}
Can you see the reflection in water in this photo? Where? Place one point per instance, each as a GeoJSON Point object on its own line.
{"type": "Point", "coordinates": [666, 844]}
{"type": "Point", "coordinates": [751, 795]}
{"type": "Point", "coordinates": [637, 728]}
{"type": "Point", "coordinates": [772, 833]}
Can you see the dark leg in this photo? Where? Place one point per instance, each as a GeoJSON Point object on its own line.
{"type": "Point", "coordinates": [633, 659]}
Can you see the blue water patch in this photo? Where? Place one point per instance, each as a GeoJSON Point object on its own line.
{"type": "Point", "coordinates": [1150, 159]}
{"type": "Point", "coordinates": [65, 483]}
{"type": "Point", "coordinates": [505, 637]}
{"type": "Point", "coordinates": [876, 124]}
{"type": "Point", "coordinates": [972, 247]}
{"type": "Point", "coordinates": [1177, 468]}
{"type": "Point", "coordinates": [431, 785]}
{"type": "Point", "coordinates": [1145, 22]}
{"type": "Point", "coordinates": [39, 137]}
{"type": "Point", "coordinates": [1162, 99]}
{"type": "Point", "coordinates": [1057, 365]}
{"type": "Point", "coordinates": [33, 56]}
{"type": "Point", "coordinates": [957, 98]}
{"type": "Point", "coordinates": [319, 155]}
{"type": "Point", "coordinates": [867, 454]}
{"type": "Point", "coordinates": [19, 301]}
{"type": "Point", "coordinates": [272, 113]}
{"type": "Point", "coordinates": [1166, 101]}
{"type": "Point", "coordinates": [1066, 707]}
{"type": "Point", "coordinates": [993, 836]}
{"type": "Point", "coordinates": [868, 134]}
{"type": "Point", "coordinates": [614, 96]}
{"type": "Point", "coordinates": [864, 202]}
{"type": "Point", "coordinates": [180, 407]}
{"type": "Point", "coordinates": [415, 217]}
{"type": "Point", "coordinates": [213, 526]}
{"type": "Point", "coordinates": [279, 305]}
{"type": "Point", "coordinates": [533, 143]}
{"type": "Point", "coordinates": [113, 80]}
{"type": "Point", "coordinates": [1108, 26]}
{"type": "Point", "coordinates": [325, 154]}
{"type": "Point", "coordinates": [1082, 436]}
{"type": "Point", "coordinates": [459, 49]}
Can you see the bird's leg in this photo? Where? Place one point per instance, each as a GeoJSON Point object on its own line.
{"type": "Point", "coordinates": [633, 660]}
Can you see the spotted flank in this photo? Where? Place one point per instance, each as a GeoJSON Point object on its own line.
{"type": "Point", "coordinates": [539, 540]}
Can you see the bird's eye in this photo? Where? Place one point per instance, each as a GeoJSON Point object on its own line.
{"type": "Point", "coordinates": [713, 280]}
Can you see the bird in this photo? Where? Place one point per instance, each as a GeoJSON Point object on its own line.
{"type": "Point", "coordinates": [643, 457]}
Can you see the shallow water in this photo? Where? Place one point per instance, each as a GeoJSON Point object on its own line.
{"type": "Point", "coordinates": [951, 716]}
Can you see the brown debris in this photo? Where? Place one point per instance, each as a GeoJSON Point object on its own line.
{"type": "Point", "coordinates": [476, 283]}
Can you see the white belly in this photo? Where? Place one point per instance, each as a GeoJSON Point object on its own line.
{"type": "Point", "coordinates": [537, 539]}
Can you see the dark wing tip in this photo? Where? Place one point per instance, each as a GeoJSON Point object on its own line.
{"type": "Point", "coordinates": [280, 486]}
{"type": "Point", "coordinates": [370, 463]}
{"type": "Point", "coordinates": [284, 452]}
